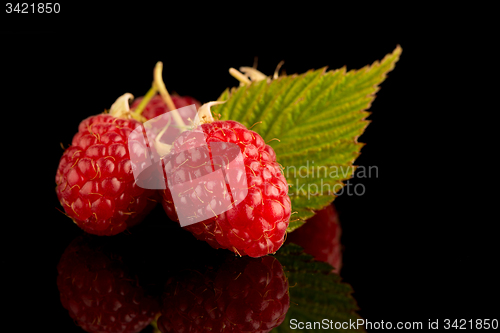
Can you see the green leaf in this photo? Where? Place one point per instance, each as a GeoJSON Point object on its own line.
{"type": "Point", "coordinates": [315, 292]}
{"type": "Point", "coordinates": [318, 117]}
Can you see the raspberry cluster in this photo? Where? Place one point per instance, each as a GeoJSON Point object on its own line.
{"type": "Point", "coordinates": [246, 210]}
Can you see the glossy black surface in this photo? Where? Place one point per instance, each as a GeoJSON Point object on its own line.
{"type": "Point", "coordinates": [418, 243]}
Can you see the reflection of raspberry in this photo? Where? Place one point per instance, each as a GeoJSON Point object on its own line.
{"type": "Point", "coordinates": [95, 183]}
{"type": "Point", "coordinates": [99, 292]}
{"type": "Point", "coordinates": [254, 225]}
{"type": "Point", "coordinates": [244, 295]}
{"type": "Point", "coordinates": [320, 237]}
{"type": "Point", "coordinates": [156, 106]}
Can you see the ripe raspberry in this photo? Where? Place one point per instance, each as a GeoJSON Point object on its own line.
{"type": "Point", "coordinates": [98, 290]}
{"type": "Point", "coordinates": [244, 295]}
{"type": "Point", "coordinates": [320, 237]}
{"type": "Point", "coordinates": [254, 225]}
{"type": "Point", "coordinates": [156, 106]}
{"type": "Point", "coordinates": [95, 182]}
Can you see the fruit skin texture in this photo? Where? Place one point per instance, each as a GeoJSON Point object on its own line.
{"type": "Point", "coordinates": [99, 292]}
{"type": "Point", "coordinates": [156, 106]}
{"type": "Point", "coordinates": [244, 295]}
{"type": "Point", "coordinates": [95, 182]}
{"type": "Point", "coordinates": [320, 237]}
{"type": "Point", "coordinates": [255, 225]}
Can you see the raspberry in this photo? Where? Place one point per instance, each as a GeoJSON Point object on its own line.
{"type": "Point", "coordinates": [244, 295]}
{"type": "Point", "coordinates": [156, 106]}
{"type": "Point", "coordinates": [98, 290]}
{"type": "Point", "coordinates": [95, 182]}
{"type": "Point", "coordinates": [320, 237]}
{"type": "Point", "coordinates": [252, 225]}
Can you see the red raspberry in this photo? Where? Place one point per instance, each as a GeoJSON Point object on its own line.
{"type": "Point", "coordinates": [320, 237]}
{"type": "Point", "coordinates": [156, 106]}
{"type": "Point", "coordinates": [254, 225]}
{"type": "Point", "coordinates": [99, 292]}
{"type": "Point", "coordinates": [244, 295]}
{"type": "Point", "coordinates": [95, 182]}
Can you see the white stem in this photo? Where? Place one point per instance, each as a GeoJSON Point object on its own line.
{"type": "Point", "coordinates": [204, 113]}
{"type": "Point", "coordinates": [254, 74]}
{"type": "Point", "coordinates": [276, 72]}
{"type": "Point", "coordinates": [238, 76]}
{"type": "Point", "coordinates": [160, 85]}
{"type": "Point", "coordinates": [162, 148]}
{"type": "Point", "coordinates": [120, 107]}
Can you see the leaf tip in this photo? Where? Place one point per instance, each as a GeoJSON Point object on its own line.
{"type": "Point", "coordinates": [398, 50]}
{"type": "Point", "coordinates": [394, 56]}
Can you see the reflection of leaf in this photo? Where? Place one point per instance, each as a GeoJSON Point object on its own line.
{"type": "Point", "coordinates": [318, 117]}
{"type": "Point", "coordinates": [315, 292]}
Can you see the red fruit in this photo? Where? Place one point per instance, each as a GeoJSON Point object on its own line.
{"type": "Point", "coordinates": [99, 292]}
{"type": "Point", "coordinates": [252, 225]}
{"type": "Point", "coordinates": [244, 295]}
{"type": "Point", "coordinates": [95, 182]}
{"type": "Point", "coordinates": [320, 237]}
{"type": "Point", "coordinates": [156, 106]}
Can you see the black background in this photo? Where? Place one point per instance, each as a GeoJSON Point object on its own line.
{"type": "Point", "coordinates": [419, 244]}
